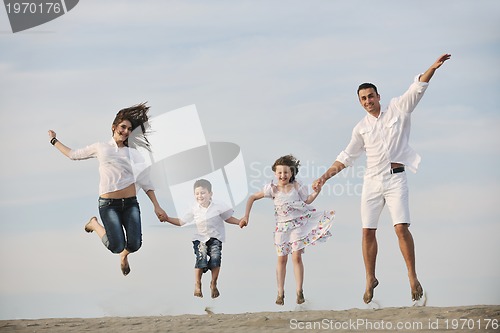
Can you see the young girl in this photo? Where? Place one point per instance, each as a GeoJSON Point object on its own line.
{"type": "Point", "coordinates": [118, 205]}
{"type": "Point", "coordinates": [297, 223]}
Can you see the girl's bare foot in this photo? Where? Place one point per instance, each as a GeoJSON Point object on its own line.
{"type": "Point", "coordinates": [89, 227]}
{"type": "Point", "coordinates": [215, 291]}
{"type": "Point", "coordinates": [368, 296]}
{"type": "Point", "coordinates": [280, 300]}
{"type": "Point", "coordinates": [197, 290]}
{"type": "Point", "coordinates": [300, 297]}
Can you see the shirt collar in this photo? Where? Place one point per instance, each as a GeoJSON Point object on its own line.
{"type": "Point", "coordinates": [382, 111]}
{"type": "Point", "coordinates": [209, 204]}
{"type": "Point", "coordinates": [113, 144]}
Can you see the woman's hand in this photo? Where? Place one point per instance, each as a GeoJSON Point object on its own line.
{"type": "Point", "coordinates": [160, 213]}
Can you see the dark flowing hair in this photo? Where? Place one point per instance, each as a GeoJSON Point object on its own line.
{"type": "Point", "coordinates": [138, 117]}
{"type": "Point", "coordinates": [290, 161]}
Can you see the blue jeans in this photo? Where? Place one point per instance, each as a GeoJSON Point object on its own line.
{"type": "Point", "coordinates": [213, 249]}
{"type": "Point", "coordinates": [122, 222]}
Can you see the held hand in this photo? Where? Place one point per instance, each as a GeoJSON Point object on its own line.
{"type": "Point", "coordinates": [243, 222]}
{"type": "Point", "coordinates": [317, 185]}
{"type": "Point", "coordinates": [441, 60]}
{"type": "Point", "coordinates": [160, 213]}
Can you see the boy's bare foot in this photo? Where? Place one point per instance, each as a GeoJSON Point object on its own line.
{"type": "Point", "coordinates": [280, 300]}
{"type": "Point", "coordinates": [215, 291]}
{"type": "Point", "coordinates": [300, 297]}
{"type": "Point", "coordinates": [89, 227]}
{"type": "Point", "coordinates": [416, 291]}
{"type": "Point", "coordinates": [124, 265]}
{"type": "Point", "coordinates": [197, 290]}
{"type": "Point", "coordinates": [368, 296]}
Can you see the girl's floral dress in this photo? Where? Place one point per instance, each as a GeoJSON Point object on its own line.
{"type": "Point", "coordinates": [297, 223]}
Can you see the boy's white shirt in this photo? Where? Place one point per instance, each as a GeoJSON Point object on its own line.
{"type": "Point", "coordinates": [209, 221]}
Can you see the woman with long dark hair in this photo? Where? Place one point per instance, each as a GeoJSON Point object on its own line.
{"type": "Point", "coordinates": [120, 176]}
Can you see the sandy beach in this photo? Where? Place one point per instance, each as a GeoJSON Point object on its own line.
{"type": "Point", "coordinates": [480, 318]}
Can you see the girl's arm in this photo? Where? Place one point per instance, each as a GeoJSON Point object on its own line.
{"type": "Point", "coordinates": [253, 197]}
{"type": "Point", "coordinates": [158, 210]}
{"type": "Point", "coordinates": [336, 167]}
{"type": "Point", "coordinates": [309, 198]}
{"type": "Point", "coordinates": [312, 196]}
{"type": "Point", "coordinates": [56, 143]}
{"type": "Point", "coordinates": [233, 220]}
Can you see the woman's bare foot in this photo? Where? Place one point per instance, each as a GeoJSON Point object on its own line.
{"type": "Point", "coordinates": [368, 296]}
{"type": "Point", "coordinates": [215, 291]}
{"type": "Point", "coordinates": [197, 290]}
{"type": "Point", "coordinates": [124, 263]}
{"type": "Point", "coordinates": [280, 300]}
{"type": "Point", "coordinates": [90, 226]}
{"type": "Point", "coordinates": [300, 297]}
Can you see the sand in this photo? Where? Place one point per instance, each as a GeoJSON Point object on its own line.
{"type": "Point", "coordinates": [480, 318]}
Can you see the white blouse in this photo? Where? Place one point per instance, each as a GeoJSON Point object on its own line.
{"type": "Point", "coordinates": [118, 167]}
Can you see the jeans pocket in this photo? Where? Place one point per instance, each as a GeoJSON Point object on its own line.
{"type": "Point", "coordinates": [104, 203]}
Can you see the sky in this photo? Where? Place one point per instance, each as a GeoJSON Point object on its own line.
{"type": "Point", "coordinates": [273, 77]}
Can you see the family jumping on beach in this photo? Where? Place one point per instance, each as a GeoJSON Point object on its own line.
{"type": "Point", "coordinates": [383, 134]}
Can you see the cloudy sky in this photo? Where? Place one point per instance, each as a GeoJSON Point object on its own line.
{"type": "Point", "coordinates": [273, 77]}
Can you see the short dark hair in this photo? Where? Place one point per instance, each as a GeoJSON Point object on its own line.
{"type": "Point", "coordinates": [203, 183]}
{"type": "Point", "coordinates": [367, 85]}
{"type": "Point", "coordinates": [290, 161]}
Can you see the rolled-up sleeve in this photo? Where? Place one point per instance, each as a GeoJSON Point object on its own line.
{"type": "Point", "coordinates": [84, 153]}
{"type": "Point", "coordinates": [141, 170]}
{"type": "Point", "coordinates": [144, 181]}
{"type": "Point", "coordinates": [226, 213]}
{"type": "Point", "coordinates": [409, 100]}
{"type": "Point", "coordinates": [353, 150]}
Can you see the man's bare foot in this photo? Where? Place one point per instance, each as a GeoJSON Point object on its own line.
{"type": "Point", "coordinates": [368, 296]}
{"type": "Point", "coordinates": [215, 291]}
{"type": "Point", "coordinates": [197, 290]}
{"type": "Point", "coordinates": [89, 227]}
{"type": "Point", "coordinates": [416, 291]}
{"type": "Point", "coordinates": [124, 264]}
{"type": "Point", "coordinates": [300, 297]}
{"type": "Point", "coordinates": [280, 300]}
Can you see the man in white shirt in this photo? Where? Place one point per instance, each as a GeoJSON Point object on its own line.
{"type": "Point", "coordinates": [384, 135]}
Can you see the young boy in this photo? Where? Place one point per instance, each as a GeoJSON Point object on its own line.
{"type": "Point", "coordinates": [209, 217]}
